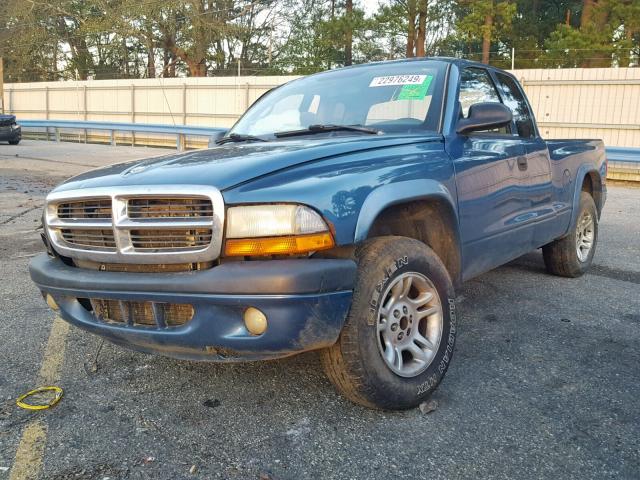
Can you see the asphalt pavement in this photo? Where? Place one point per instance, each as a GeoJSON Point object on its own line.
{"type": "Point", "coordinates": [545, 381]}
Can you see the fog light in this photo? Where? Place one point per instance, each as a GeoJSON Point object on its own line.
{"type": "Point", "coordinates": [52, 303]}
{"type": "Point", "coordinates": [255, 321]}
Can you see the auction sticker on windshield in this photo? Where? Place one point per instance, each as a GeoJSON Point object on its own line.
{"type": "Point", "coordinates": [415, 92]}
{"type": "Point", "coordinates": [397, 80]}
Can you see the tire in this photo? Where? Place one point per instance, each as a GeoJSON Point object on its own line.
{"type": "Point", "coordinates": [561, 256]}
{"type": "Point", "coordinates": [355, 364]}
{"type": "Point", "coordinates": [14, 142]}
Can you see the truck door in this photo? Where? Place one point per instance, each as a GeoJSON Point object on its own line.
{"type": "Point", "coordinates": [541, 211]}
{"type": "Point", "coordinates": [489, 180]}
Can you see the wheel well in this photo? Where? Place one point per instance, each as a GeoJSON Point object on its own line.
{"type": "Point", "coordinates": [591, 184]}
{"type": "Point", "coordinates": [431, 221]}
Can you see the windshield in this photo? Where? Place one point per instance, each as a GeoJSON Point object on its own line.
{"type": "Point", "coordinates": [392, 97]}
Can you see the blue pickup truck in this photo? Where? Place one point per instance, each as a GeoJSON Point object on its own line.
{"type": "Point", "coordinates": [10, 131]}
{"type": "Point", "coordinates": [339, 214]}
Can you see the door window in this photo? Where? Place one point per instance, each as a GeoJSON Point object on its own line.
{"type": "Point", "coordinates": [514, 99]}
{"type": "Point", "coordinates": [476, 86]}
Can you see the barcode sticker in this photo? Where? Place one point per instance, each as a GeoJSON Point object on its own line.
{"type": "Point", "coordinates": [397, 80]}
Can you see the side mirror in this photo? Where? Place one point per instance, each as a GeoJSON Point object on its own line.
{"type": "Point", "coordinates": [215, 137]}
{"type": "Point", "coordinates": [485, 116]}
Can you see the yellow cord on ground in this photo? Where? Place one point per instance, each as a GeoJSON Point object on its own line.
{"type": "Point", "coordinates": [27, 406]}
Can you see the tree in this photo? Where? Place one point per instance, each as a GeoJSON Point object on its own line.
{"type": "Point", "coordinates": [68, 39]}
{"type": "Point", "coordinates": [411, 27]}
{"type": "Point", "coordinates": [606, 35]}
{"type": "Point", "coordinates": [421, 31]}
{"type": "Point", "coordinates": [348, 44]}
{"type": "Point", "coordinates": [487, 20]}
{"type": "Point", "coordinates": [324, 34]}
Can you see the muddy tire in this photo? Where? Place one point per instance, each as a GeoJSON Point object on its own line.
{"type": "Point", "coordinates": [399, 336]}
{"type": "Point", "coordinates": [571, 255]}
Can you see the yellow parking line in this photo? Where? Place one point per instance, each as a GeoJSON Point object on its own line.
{"type": "Point", "coordinates": [28, 460]}
{"type": "Point", "coordinates": [30, 451]}
{"type": "Point", "coordinates": [54, 353]}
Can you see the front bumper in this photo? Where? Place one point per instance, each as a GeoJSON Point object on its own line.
{"type": "Point", "coordinates": [305, 301]}
{"type": "Point", "coordinates": [10, 135]}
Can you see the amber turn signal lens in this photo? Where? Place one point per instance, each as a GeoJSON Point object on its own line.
{"type": "Point", "coordinates": [241, 247]}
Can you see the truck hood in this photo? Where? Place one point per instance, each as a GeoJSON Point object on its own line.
{"type": "Point", "coordinates": [231, 164]}
{"type": "Point", "coordinates": [6, 120]}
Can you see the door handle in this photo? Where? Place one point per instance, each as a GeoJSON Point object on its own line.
{"type": "Point", "coordinates": [522, 162]}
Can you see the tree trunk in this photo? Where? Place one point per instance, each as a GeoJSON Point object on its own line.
{"type": "Point", "coordinates": [587, 12]}
{"type": "Point", "coordinates": [348, 47]}
{"type": "Point", "coordinates": [168, 53]}
{"type": "Point", "coordinates": [151, 61]}
{"type": "Point", "coordinates": [196, 64]}
{"type": "Point", "coordinates": [486, 38]}
{"type": "Point", "coordinates": [421, 36]}
{"type": "Point", "coordinates": [411, 32]}
{"type": "Point", "coordinates": [594, 19]}
{"type": "Point", "coordinates": [82, 58]}
{"type": "Point", "coordinates": [125, 55]}
{"type": "Point", "coordinates": [151, 57]}
{"type": "Point", "coordinates": [628, 35]}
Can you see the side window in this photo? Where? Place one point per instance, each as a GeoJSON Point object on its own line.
{"type": "Point", "coordinates": [514, 99]}
{"type": "Point", "coordinates": [476, 86]}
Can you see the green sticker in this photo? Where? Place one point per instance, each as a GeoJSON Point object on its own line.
{"type": "Point", "coordinates": [415, 92]}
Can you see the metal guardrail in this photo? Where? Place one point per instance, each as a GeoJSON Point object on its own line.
{"type": "Point", "coordinates": [623, 154]}
{"type": "Point", "coordinates": [614, 154]}
{"type": "Point", "coordinates": [180, 131]}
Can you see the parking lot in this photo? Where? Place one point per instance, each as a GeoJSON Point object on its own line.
{"type": "Point", "coordinates": [545, 381]}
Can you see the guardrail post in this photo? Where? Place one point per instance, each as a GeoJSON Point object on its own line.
{"type": "Point", "coordinates": [246, 97]}
{"type": "Point", "coordinates": [57, 134]}
{"type": "Point", "coordinates": [46, 108]}
{"type": "Point", "coordinates": [184, 103]}
{"type": "Point", "coordinates": [180, 142]}
{"type": "Point", "coordinates": [133, 113]}
{"type": "Point", "coordinates": [84, 109]}
{"type": "Point", "coordinates": [113, 138]}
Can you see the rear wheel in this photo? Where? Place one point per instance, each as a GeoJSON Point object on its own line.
{"type": "Point", "coordinates": [572, 255]}
{"type": "Point", "coordinates": [399, 336]}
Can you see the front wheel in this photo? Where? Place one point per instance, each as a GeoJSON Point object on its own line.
{"type": "Point", "coordinates": [14, 142]}
{"type": "Point", "coordinates": [572, 255]}
{"type": "Point", "coordinates": [399, 336]}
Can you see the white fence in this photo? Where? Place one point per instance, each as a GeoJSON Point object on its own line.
{"type": "Point", "coordinates": [568, 103]}
{"type": "Point", "coordinates": [586, 103]}
{"type": "Point", "coordinates": [215, 102]}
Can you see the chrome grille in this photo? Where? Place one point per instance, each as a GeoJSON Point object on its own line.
{"type": "Point", "coordinates": [160, 239]}
{"type": "Point", "coordinates": [95, 208]}
{"type": "Point", "coordinates": [143, 225]}
{"type": "Point", "coordinates": [169, 207]}
{"type": "Point", "coordinates": [98, 239]}
{"type": "Point", "coordinates": [137, 313]}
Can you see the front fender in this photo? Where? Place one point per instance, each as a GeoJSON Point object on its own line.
{"type": "Point", "coordinates": [396, 193]}
{"type": "Point", "coordinates": [350, 190]}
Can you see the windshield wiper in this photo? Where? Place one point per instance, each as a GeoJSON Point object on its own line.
{"type": "Point", "coordinates": [327, 128]}
{"type": "Point", "coordinates": [238, 137]}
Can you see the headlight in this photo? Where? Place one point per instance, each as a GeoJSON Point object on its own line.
{"type": "Point", "coordinates": [275, 230]}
